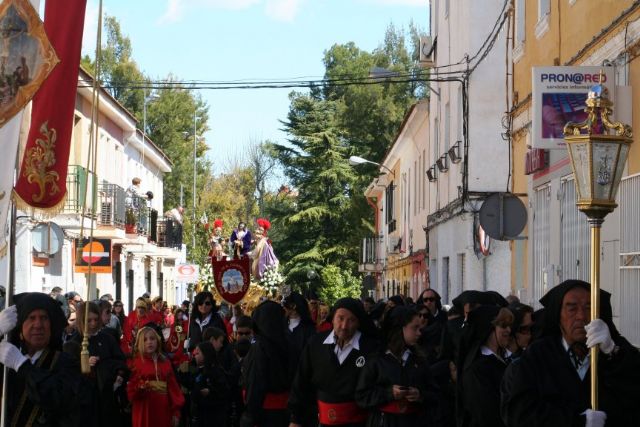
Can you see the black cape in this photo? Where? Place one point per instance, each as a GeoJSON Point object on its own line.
{"type": "Point", "coordinates": [375, 389]}
{"type": "Point", "coordinates": [320, 376]}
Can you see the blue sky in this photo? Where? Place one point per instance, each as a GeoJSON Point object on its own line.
{"type": "Point", "coordinates": [225, 40]}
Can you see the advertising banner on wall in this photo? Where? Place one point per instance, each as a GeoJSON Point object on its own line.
{"type": "Point", "coordinates": [558, 95]}
{"type": "Point", "coordinates": [92, 252]}
{"type": "Point", "coordinates": [187, 273]}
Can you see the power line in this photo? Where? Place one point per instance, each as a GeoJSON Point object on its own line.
{"type": "Point", "coordinates": [205, 85]}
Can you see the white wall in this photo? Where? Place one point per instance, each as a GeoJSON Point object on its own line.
{"type": "Point", "coordinates": [461, 32]}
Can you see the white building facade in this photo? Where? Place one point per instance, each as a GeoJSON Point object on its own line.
{"type": "Point", "coordinates": [143, 257]}
{"type": "Point", "coordinates": [400, 195]}
{"type": "Point", "coordinates": [464, 167]}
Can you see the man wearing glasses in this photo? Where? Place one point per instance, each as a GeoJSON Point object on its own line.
{"type": "Point", "coordinates": [431, 300]}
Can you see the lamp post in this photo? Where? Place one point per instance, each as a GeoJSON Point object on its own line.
{"type": "Point", "coordinates": [150, 97]}
{"type": "Point", "coordinates": [195, 142]}
{"type": "Point", "coordinates": [356, 160]}
{"type": "Point", "coordinates": [597, 160]}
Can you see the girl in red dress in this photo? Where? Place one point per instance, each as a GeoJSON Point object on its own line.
{"type": "Point", "coordinates": [153, 391]}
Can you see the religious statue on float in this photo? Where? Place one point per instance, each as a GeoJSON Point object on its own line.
{"type": "Point", "coordinates": [263, 257]}
{"type": "Point", "coordinates": [240, 241]}
{"type": "Point", "coordinates": [217, 242]}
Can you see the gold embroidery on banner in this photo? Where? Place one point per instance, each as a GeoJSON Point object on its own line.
{"type": "Point", "coordinates": [40, 159]}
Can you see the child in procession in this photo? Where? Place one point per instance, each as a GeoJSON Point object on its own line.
{"type": "Point", "coordinates": [152, 389]}
{"type": "Point", "coordinates": [210, 391]}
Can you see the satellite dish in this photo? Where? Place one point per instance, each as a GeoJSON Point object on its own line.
{"type": "Point", "coordinates": [47, 238]}
{"type": "Point", "coordinates": [503, 216]}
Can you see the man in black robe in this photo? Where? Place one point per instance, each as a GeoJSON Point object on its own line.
{"type": "Point", "coordinates": [46, 388]}
{"type": "Point", "coordinates": [329, 369]}
{"type": "Point", "coordinates": [550, 384]}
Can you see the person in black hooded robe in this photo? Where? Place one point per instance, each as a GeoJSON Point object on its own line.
{"type": "Point", "coordinates": [265, 377]}
{"type": "Point", "coordinates": [300, 328]}
{"type": "Point", "coordinates": [466, 302]}
{"type": "Point", "coordinates": [108, 366]}
{"type": "Point", "coordinates": [329, 369]}
{"type": "Point", "coordinates": [436, 317]}
{"type": "Point", "coordinates": [45, 385]}
{"type": "Point", "coordinates": [396, 386]}
{"type": "Point", "coordinates": [482, 360]}
{"type": "Point", "coordinates": [550, 384]}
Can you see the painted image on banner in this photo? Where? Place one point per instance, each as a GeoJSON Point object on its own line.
{"type": "Point", "coordinates": [232, 281]}
{"type": "Point", "coordinates": [26, 56]}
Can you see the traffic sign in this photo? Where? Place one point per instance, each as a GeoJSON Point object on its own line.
{"type": "Point", "coordinates": [187, 273]}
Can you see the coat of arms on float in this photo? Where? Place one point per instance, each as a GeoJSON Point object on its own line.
{"type": "Point", "coordinates": [26, 56]}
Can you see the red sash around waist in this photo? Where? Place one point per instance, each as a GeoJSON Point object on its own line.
{"type": "Point", "coordinates": [340, 413]}
{"type": "Point", "coordinates": [275, 401]}
{"type": "Point", "coordinates": [272, 401]}
{"type": "Point", "coordinates": [400, 407]}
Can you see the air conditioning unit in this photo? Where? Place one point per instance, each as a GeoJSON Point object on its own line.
{"type": "Point", "coordinates": [393, 246]}
{"type": "Point", "coordinates": [427, 52]}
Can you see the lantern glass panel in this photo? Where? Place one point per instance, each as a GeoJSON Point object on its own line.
{"type": "Point", "coordinates": [624, 152]}
{"type": "Point", "coordinates": [580, 159]}
{"type": "Point", "coordinates": [604, 154]}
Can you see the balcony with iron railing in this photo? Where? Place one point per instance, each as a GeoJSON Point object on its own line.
{"type": "Point", "coordinates": [169, 233]}
{"type": "Point", "coordinates": [371, 259]}
{"type": "Point", "coordinates": [80, 192]}
{"type": "Point", "coordinates": [112, 205]}
{"type": "Point", "coordinates": [138, 215]}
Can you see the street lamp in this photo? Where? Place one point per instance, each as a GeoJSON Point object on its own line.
{"type": "Point", "coordinates": [150, 97]}
{"type": "Point", "coordinates": [356, 160]}
{"type": "Point", "coordinates": [597, 160]}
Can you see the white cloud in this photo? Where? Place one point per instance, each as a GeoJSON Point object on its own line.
{"type": "Point", "coordinates": [228, 4]}
{"type": "Point", "coordinates": [280, 10]}
{"type": "Point", "coordinates": [283, 10]}
{"type": "Point", "coordinates": [173, 13]}
{"type": "Point", "coordinates": [417, 3]}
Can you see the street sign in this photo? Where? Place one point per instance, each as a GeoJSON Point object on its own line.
{"type": "Point", "coordinates": [503, 216]}
{"type": "Point", "coordinates": [187, 273]}
{"type": "Point", "coordinates": [47, 238]}
{"type": "Point", "coordinates": [97, 254]}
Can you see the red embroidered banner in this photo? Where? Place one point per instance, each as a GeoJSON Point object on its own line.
{"type": "Point", "coordinates": [43, 173]}
{"type": "Point", "coordinates": [231, 278]}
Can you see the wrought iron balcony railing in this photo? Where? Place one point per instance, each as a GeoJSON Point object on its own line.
{"type": "Point", "coordinates": [80, 191]}
{"type": "Point", "coordinates": [112, 205]}
{"type": "Point", "coordinates": [169, 233]}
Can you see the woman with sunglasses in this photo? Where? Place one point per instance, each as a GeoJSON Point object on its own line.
{"type": "Point", "coordinates": [521, 330]}
{"type": "Point", "coordinates": [118, 311]}
{"type": "Point", "coordinates": [203, 315]}
{"type": "Point", "coordinates": [482, 360]}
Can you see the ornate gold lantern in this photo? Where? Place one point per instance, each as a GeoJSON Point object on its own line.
{"type": "Point", "coordinates": [598, 158]}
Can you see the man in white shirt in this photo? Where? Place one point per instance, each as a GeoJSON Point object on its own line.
{"type": "Point", "coordinates": [329, 369]}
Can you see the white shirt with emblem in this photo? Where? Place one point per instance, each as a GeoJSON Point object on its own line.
{"type": "Point", "coordinates": [343, 353]}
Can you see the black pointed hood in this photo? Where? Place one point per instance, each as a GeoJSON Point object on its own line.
{"type": "Point", "coordinates": [552, 303]}
{"type": "Point", "coordinates": [269, 322]}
